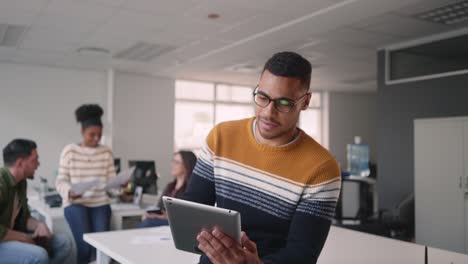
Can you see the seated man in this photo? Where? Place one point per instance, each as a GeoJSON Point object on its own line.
{"type": "Point", "coordinates": [16, 245]}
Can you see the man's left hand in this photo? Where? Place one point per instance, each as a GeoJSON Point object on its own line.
{"type": "Point", "coordinates": [222, 249]}
{"type": "Point", "coordinates": [42, 230]}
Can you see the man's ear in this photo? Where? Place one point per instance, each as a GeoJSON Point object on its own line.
{"type": "Point", "coordinates": [306, 102]}
{"type": "Point", "coordinates": [19, 163]}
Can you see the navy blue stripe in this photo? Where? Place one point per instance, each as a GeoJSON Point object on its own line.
{"type": "Point", "coordinates": [317, 213]}
{"type": "Point", "coordinates": [252, 202]}
{"type": "Point", "coordinates": [324, 199]}
{"type": "Point", "coordinates": [317, 203]}
{"type": "Point", "coordinates": [243, 200]}
{"type": "Point", "coordinates": [260, 197]}
{"type": "Point", "coordinates": [204, 170]}
{"type": "Point", "coordinates": [317, 208]}
{"type": "Point", "coordinates": [205, 164]}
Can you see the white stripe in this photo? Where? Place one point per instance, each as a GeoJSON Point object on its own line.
{"type": "Point", "coordinates": [257, 180]}
{"type": "Point", "coordinates": [90, 164]}
{"type": "Point", "coordinates": [319, 190]}
{"type": "Point", "coordinates": [220, 160]}
{"type": "Point", "coordinates": [336, 179]}
{"type": "Point", "coordinates": [83, 156]}
{"type": "Point", "coordinates": [206, 155]}
{"type": "Point", "coordinates": [88, 173]}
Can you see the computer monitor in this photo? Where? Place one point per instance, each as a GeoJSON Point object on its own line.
{"type": "Point", "coordinates": [144, 175]}
{"type": "Point", "coordinates": [117, 165]}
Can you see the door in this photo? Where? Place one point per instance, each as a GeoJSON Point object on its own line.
{"type": "Point", "coordinates": [439, 194]}
{"type": "Point", "coordinates": [465, 163]}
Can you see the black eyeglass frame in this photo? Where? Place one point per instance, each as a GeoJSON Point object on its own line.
{"type": "Point", "coordinates": [277, 101]}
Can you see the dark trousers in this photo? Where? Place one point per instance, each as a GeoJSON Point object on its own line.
{"type": "Point", "coordinates": [82, 219]}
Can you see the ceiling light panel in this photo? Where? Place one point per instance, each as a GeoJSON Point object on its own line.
{"type": "Point", "coordinates": [450, 14]}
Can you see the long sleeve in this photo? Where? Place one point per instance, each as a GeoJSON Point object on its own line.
{"type": "Point", "coordinates": [201, 187]}
{"type": "Point", "coordinates": [111, 172]}
{"type": "Point", "coordinates": [311, 221]}
{"type": "Point", "coordinates": [4, 217]}
{"type": "Point", "coordinates": [62, 183]}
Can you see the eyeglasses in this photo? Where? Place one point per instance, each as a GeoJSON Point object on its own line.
{"type": "Point", "coordinates": [283, 105]}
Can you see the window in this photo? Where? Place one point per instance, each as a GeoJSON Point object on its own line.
{"type": "Point", "coordinates": [432, 57]}
{"type": "Point", "coordinates": [201, 105]}
{"type": "Point", "coordinates": [311, 120]}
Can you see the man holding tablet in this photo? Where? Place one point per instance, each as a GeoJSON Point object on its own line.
{"type": "Point", "coordinates": [284, 184]}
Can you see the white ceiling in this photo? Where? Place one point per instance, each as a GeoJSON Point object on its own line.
{"type": "Point", "coordinates": [340, 37]}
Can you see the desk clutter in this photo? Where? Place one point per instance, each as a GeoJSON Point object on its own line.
{"type": "Point", "coordinates": [53, 200]}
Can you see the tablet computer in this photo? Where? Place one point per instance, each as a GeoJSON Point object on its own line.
{"type": "Point", "coordinates": [187, 219]}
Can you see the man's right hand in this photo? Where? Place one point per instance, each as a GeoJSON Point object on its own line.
{"type": "Point", "coordinates": [13, 235]}
{"type": "Point", "coordinates": [73, 195]}
{"type": "Point", "coordinates": [26, 239]}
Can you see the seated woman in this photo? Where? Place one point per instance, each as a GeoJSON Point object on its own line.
{"type": "Point", "coordinates": [183, 163]}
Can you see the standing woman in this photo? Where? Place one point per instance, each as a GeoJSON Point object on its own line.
{"type": "Point", "coordinates": [183, 163]}
{"type": "Point", "coordinates": [85, 162]}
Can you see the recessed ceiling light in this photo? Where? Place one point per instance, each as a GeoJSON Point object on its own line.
{"type": "Point", "coordinates": [95, 51]}
{"type": "Point", "coordinates": [213, 16]}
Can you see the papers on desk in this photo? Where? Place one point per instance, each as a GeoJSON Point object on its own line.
{"type": "Point", "coordinates": [122, 178]}
{"type": "Point", "coordinates": [153, 239]}
{"type": "Point", "coordinates": [115, 182]}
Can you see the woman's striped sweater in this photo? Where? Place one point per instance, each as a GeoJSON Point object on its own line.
{"type": "Point", "coordinates": [286, 195]}
{"type": "Point", "coordinates": [84, 164]}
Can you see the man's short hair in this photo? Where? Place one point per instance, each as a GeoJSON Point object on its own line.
{"type": "Point", "coordinates": [16, 149]}
{"type": "Point", "coordinates": [290, 64]}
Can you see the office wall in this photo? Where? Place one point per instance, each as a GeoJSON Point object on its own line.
{"type": "Point", "coordinates": [352, 114]}
{"type": "Point", "coordinates": [397, 107]}
{"type": "Point", "coordinates": [39, 103]}
{"type": "Point", "coordinates": [144, 121]}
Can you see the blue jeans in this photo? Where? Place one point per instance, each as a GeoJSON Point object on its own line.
{"type": "Point", "coordinates": [152, 222]}
{"type": "Point", "coordinates": [82, 219]}
{"type": "Point", "coordinates": [18, 252]}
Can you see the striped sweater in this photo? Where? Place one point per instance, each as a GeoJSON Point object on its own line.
{"type": "Point", "coordinates": [286, 195]}
{"type": "Point", "coordinates": [84, 164]}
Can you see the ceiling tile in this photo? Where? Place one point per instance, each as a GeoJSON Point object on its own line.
{"type": "Point", "coordinates": [400, 26]}
{"type": "Point", "coordinates": [29, 6]}
{"type": "Point", "coordinates": [357, 37]}
{"type": "Point", "coordinates": [111, 3]}
{"type": "Point", "coordinates": [174, 8]}
{"type": "Point", "coordinates": [6, 54]}
{"type": "Point", "coordinates": [15, 16]}
{"type": "Point", "coordinates": [50, 40]}
{"type": "Point", "coordinates": [73, 15]}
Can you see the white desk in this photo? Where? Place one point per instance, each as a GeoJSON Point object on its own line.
{"type": "Point", "coordinates": [138, 246]}
{"type": "Point", "coordinates": [439, 256]}
{"type": "Point", "coordinates": [343, 246]}
{"type": "Point", "coordinates": [346, 246]}
{"type": "Point", "coordinates": [122, 210]}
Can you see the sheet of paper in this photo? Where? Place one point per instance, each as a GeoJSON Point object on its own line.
{"type": "Point", "coordinates": [153, 239]}
{"type": "Point", "coordinates": [80, 188]}
{"type": "Point", "coordinates": [122, 178]}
